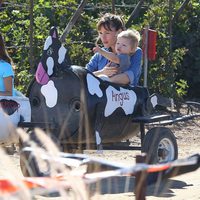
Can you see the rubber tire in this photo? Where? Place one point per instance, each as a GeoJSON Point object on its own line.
{"type": "Point", "coordinates": [29, 167]}
{"type": "Point", "coordinates": [153, 139]}
{"type": "Point", "coordinates": [28, 162]}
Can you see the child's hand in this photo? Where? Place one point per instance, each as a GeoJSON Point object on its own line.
{"type": "Point", "coordinates": [96, 49]}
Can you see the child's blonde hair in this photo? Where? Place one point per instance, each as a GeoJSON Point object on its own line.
{"type": "Point", "coordinates": [132, 35]}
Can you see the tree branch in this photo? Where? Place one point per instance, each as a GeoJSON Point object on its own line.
{"type": "Point", "coordinates": [179, 11]}
{"type": "Point", "coordinates": [134, 14]}
{"type": "Point", "coordinates": [73, 20]}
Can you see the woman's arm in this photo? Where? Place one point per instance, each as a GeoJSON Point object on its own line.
{"type": "Point", "coordinates": [8, 86]}
{"type": "Point", "coordinates": [120, 79]}
{"type": "Point", "coordinates": [107, 70]}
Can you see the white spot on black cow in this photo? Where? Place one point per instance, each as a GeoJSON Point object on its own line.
{"type": "Point", "coordinates": [93, 85]}
{"type": "Point", "coordinates": [50, 93]}
{"type": "Point", "coordinates": [154, 101]}
{"type": "Point", "coordinates": [61, 54]}
{"type": "Point", "coordinates": [48, 42]}
{"type": "Point", "coordinates": [124, 98]}
{"type": "Point", "coordinates": [98, 138]}
{"type": "Point", "coordinates": [50, 65]}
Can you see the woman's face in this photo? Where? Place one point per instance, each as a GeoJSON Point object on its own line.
{"type": "Point", "coordinates": [108, 37]}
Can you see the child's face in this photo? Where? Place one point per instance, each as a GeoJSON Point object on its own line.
{"type": "Point", "coordinates": [123, 46]}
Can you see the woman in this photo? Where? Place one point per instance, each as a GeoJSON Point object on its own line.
{"type": "Point", "coordinates": [109, 26]}
{"type": "Point", "coordinates": [6, 71]}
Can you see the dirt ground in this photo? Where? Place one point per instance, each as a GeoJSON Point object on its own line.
{"type": "Point", "coordinates": [183, 187]}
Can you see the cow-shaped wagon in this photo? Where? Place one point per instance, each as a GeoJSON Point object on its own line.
{"type": "Point", "coordinates": [80, 110]}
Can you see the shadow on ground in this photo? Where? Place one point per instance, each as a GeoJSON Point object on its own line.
{"type": "Point", "coordinates": [118, 185]}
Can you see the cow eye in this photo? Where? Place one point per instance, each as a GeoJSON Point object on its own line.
{"type": "Point", "coordinates": [49, 51]}
{"type": "Point", "coordinates": [77, 106]}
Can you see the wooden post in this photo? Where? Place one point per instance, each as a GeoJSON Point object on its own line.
{"type": "Point", "coordinates": [113, 6]}
{"type": "Point", "coordinates": [170, 32]}
{"type": "Point", "coordinates": [145, 54]}
{"type": "Point", "coordinates": [31, 35]}
{"type": "Point", "coordinates": [140, 179]}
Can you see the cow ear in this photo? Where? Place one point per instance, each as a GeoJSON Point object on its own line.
{"type": "Point", "coordinates": [53, 32]}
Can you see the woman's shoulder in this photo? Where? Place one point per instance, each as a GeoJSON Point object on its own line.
{"type": "Point", "coordinates": [138, 49]}
{"type": "Point", "coordinates": [138, 53]}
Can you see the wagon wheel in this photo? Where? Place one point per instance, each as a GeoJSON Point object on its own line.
{"type": "Point", "coordinates": [30, 165]}
{"type": "Point", "coordinates": [160, 145]}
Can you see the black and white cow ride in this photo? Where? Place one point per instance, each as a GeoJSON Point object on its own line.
{"type": "Point", "coordinates": [65, 94]}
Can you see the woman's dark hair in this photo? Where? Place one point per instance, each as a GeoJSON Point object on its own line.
{"type": "Point", "coordinates": [3, 52]}
{"type": "Point", "coordinates": [109, 21]}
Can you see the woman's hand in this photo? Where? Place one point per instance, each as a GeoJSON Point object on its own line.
{"type": "Point", "coordinates": [96, 49]}
{"type": "Point", "coordinates": [107, 70]}
{"type": "Point", "coordinates": [110, 70]}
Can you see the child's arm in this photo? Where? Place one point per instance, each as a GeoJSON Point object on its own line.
{"type": "Point", "coordinates": [109, 55]}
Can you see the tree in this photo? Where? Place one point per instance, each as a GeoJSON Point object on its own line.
{"type": "Point", "coordinates": [163, 73]}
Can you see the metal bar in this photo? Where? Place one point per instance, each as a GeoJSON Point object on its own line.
{"type": "Point", "coordinates": [151, 118]}
{"type": "Point", "coordinates": [192, 103]}
{"type": "Point", "coordinates": [122, 147]}
{"type": "Point", "coordinates": [178, 119]}
{"type": "Point", "coordinates": [36, 124]}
